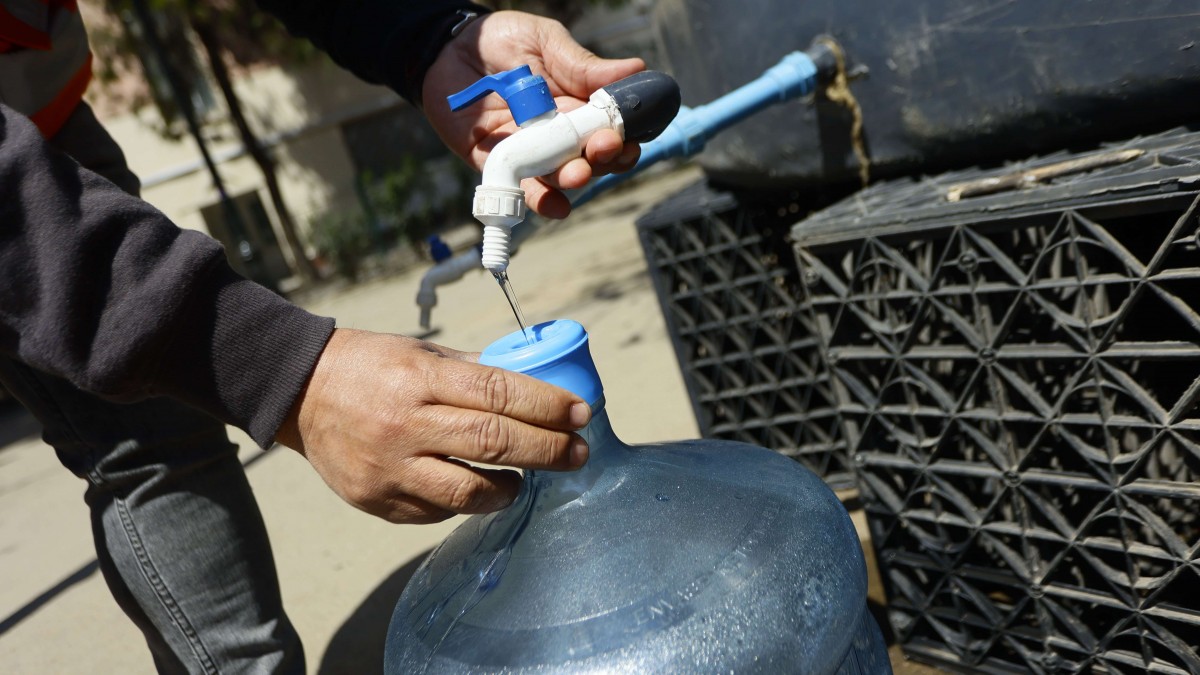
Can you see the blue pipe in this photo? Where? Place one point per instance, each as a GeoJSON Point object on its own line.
{"type": "Point", "coordinates": [794, 76]}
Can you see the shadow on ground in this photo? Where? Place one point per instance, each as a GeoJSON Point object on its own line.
{"type": "Point", "coordinates": [357, 647]}
{"type": "Point", "coordinates": [16, 424]}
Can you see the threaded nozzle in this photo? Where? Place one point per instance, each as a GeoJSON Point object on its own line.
{"type": "Point", "coordinates": [495, 248]}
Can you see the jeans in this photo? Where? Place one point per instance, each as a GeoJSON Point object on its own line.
{"type": "Point", "coordinates": [178, 534]}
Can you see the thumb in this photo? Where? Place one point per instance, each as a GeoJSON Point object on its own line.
{"type": "Point", "coordinates": [580, 72]}
{"type": "Point", "coordinates": [603, 72]}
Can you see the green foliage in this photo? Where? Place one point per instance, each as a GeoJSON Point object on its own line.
{"type": "Point", "coordinates": [343, 239]}
{"type": "Point", "coordinates": [400, 207]}
{"type": "Point", "coordinates": [401, 199]}
{"type": "Point", "coordinates": [417, 197]}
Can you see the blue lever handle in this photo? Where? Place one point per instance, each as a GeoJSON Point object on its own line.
{"type": "Point", "coordinates": [527, 94]}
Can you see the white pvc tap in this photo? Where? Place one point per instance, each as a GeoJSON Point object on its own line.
{"type": "Point", "coordinates": [543, 144]}
{"type": "Point", "coordinates": [637, 108]}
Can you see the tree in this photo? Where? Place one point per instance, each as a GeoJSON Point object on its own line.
{"type": "Point", "coordinates": [231, 32]}
{"type": "Point", "coordinates": [224, 30]}
{"type": "Point", "coordinates": [206, 30]}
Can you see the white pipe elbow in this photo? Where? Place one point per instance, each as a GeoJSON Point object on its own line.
{"type": "Point", "coordinates": [539, 147]}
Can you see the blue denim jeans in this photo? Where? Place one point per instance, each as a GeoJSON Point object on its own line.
{"type": "Point", "coordinates": [178, 534]}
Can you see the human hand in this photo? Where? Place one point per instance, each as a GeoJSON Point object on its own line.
{"type": "Point", "coordinates": [387, 421]}
{"type": "Point", "coordinates": [503, 41]}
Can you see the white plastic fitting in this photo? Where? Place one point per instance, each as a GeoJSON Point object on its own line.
{"type": "Point", "coordinates": [540, 146]}
{"type": "Point", "coordinates": [449, 270]}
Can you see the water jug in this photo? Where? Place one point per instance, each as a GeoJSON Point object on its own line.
{"type": "Point", "coordinates": [690, 557]}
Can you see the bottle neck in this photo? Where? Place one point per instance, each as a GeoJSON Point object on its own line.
{"type": "Point", "coordinates": [599, 433]}
{"type": "Point", "coordinates": [606, 452]}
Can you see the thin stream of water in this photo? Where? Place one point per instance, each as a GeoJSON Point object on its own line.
{"type": "Point", "coordinates": [511, 296]}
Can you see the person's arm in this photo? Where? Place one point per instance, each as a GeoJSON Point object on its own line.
{"type": "Point", "coordinates": [407, 45]}
{"type": "Point", "coordinates": [102, 289]}
{"type": "Point", "coordinates": [389, 42]}
{"type": "Point", "coordinates": [98, 287]}
{"type": "Point", "coordinates": [506, 40]}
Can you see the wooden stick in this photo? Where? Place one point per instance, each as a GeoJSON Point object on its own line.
{"type": "Point", "coordinates": [1031, 177]}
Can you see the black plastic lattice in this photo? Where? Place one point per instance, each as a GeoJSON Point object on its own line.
{"type": "Point", "coordinates": [1017, 377]}
{"type": "Point", "coordinates": [726, 282]}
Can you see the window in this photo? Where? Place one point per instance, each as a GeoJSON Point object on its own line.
{"type": "Point", "coordinates": [249, 240]}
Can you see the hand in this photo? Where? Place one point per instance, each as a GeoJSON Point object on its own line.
{"type": "Point", "coordinates": [503, 41]}
{"type": "Point", "coordinates": [387, 420]}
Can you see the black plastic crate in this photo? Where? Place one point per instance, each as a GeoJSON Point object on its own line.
{"type": "Point", "coordinates": [1017, 376]}
{"type": "Point", "coordinates": [726, 280]}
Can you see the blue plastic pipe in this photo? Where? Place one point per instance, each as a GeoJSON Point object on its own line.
{"type": "Point", "coordinates": [794, 76]}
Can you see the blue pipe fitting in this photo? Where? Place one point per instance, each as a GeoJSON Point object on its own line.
{"type": "Point", "coordinates": [794, 76]}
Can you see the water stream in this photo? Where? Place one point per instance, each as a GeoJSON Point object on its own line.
{"type": "Point", "coordinates": [511, 296]}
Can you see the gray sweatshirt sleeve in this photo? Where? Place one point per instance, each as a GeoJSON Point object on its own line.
{"type": "Point", "coordinates": [100, 288]}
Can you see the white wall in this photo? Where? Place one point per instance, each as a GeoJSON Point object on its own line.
{"type": "Point", "coordinates": [297, 113]}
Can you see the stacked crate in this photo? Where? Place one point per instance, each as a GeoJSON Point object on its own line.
{"type": "Point", "coordinates": [726, 280]}
{"type": "Point", "coordinates": [1016, 376]}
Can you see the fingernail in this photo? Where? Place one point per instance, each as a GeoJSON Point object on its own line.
{"type": "Point", "coordinates": [579, 452]}
{"type": "Point", "coordinates": [580, 414]}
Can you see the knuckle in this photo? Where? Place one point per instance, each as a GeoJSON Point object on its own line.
{"type": "Point", "coordinates": [491, 439]}
{"type": "Point", "coordinates": [558, 450]}
{"type": "Point", "coordinates": [464, 496]}
{"type": "Point", "coordinates": [544, 407]}
{"type": "Point", "coordinates": [361, 496]}
{"type": "Point", "coordinates": [497, 390]}
{"type": "Point", "coordinates": [553, 407]}
{"type": "Point", "coordinates": [385, 426]}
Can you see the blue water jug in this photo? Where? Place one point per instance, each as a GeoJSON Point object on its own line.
{"type": "Point", "coordinates": [691, 557]}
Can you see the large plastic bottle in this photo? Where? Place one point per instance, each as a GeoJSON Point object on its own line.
{"type": "Point", "coordinates": [690, 557]}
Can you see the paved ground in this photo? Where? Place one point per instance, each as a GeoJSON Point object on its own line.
{"type": "Point", "coordinates": [341, 570]}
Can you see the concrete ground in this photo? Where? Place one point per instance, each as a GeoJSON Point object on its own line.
{"type": "Point", "coordinates": [341, 570]}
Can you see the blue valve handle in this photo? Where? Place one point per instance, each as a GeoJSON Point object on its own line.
{"type": "Point", "coordinates": [438, 249]}
{"type": "Point", "coordinates": [526, 94]}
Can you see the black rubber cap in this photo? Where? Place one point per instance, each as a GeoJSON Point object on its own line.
{"type": "Point", "coordinates": [825, 60]}
{"type": "Point", "coordinates": [649, 101]}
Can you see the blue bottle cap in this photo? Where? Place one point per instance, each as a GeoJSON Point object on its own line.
{"type": "Point", "coordinates": [559, 355]}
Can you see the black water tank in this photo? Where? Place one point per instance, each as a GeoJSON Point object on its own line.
{"type": "Point", "coordinates": [949, 83]}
